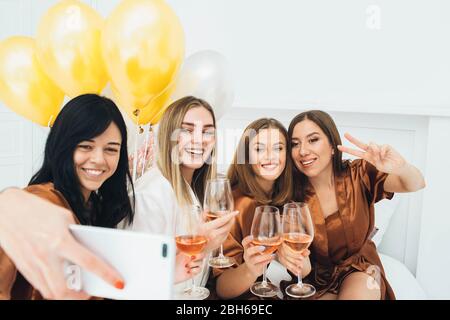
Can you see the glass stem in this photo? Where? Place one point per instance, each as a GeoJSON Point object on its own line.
{"type": "Point", "coordinates": [194, 287]}
{"type": "Point", "coordinates": [299, 280]}
{"type": "Point", "coordinates": [221, 252]}
{"type": "Point", "coordinates": [264, 282]}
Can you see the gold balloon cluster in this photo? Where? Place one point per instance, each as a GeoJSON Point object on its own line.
{"type": "Point", "coordinates": [138, 48]}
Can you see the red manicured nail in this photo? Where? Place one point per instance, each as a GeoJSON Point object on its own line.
{"type": "Point", "coordinates": [119, 284]}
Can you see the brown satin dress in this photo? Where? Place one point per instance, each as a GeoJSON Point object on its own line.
{"type": "Point", "coordinates": [342, 243]}
{"type": "Point", "coordinates": [232, 246]}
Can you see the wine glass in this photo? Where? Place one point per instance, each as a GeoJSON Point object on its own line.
{"type": "Point", "coordinates": [218, 202]}
{"type": "Point", "coordinates": [190, 241]}
{"type": "Point", "coordinates": [266, 231]}
{"type": "Point", "coordinates": [298, 233]}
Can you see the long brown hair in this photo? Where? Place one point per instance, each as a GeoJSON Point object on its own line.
{"type": "Point", "coordinates": [328, 126]}
{"type": "Point", "coordinates": [170, 123]}
{"type": "Point", "coordinates": [241, 173]}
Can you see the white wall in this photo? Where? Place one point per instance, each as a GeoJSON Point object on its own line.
{"type": "Point", "coordinates": [434, 256]}
{"type": "Point", "coordinates": [291, 55]}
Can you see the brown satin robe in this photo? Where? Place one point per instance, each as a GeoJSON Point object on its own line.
{"type": "Point", "coordinates": [232, 246]}
{"type": "Point", "coordinates": [342, 242]}
{"type": "Point", "coordinates": [12, 284]}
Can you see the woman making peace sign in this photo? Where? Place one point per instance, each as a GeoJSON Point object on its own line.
{"type": "Point", "coordinates": [341, 196]}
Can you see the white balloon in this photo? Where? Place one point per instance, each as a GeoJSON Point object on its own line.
{"type": "Point", "coordinates": [206, 75]}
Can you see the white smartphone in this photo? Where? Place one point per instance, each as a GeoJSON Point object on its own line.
{"type": "Point", "coordinates": [145, 261]}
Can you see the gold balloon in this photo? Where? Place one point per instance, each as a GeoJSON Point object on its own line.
{"type": "Point", "coordinates": [143, 49]}
{"type": "Point", "coordinates": [24, 87]}
{"type": "Point", "coordinates": [68, 42]}
{"type": "Point", "coordinates": [152, 112]}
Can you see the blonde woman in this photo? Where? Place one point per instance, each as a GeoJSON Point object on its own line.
{"type": "Point", "coordinates": [186, 159]}
{"type": "Point", "coordinates": [260, 174]}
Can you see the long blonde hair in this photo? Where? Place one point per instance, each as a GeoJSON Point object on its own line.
{"type": "Point", "coordinates": [169, 125]}
{"type": "Point", "coordinates": [242, 175]}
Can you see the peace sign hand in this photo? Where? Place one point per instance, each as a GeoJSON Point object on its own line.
{"type": "Point", "coordinates": [385, 158]}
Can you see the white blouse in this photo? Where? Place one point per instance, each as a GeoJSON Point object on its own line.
{"type": "Point", "coordinates": [156, 211]}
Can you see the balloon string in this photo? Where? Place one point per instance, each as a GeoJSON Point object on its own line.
{"type": "Point", "coordinates": [136, 147]}
{"type": "Point", "coordinates": [161, 110]}
{"type": "Point", "coordinates": [49, 123]}
{"type": "Point", "coordinates": [147, 138]}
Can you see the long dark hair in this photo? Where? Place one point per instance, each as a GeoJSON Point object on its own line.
{"type": "Point", "coordinates": [328, 126]}
{"type": "Point", "coordinates": [83, 118]}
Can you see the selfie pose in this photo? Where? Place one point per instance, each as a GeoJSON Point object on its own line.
{"type": "Point", "coordinates": [85, 170]}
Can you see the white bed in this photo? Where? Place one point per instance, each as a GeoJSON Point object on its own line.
{"type": "Point", "coordinates": [402, 281]}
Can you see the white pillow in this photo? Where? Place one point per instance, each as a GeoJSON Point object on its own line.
{"type": "Point", "coordinates": [384, 210]}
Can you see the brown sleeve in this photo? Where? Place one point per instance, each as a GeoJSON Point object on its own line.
{"type": "Point", "coordinates": [8, 271]}
{"type": "Point", "coordinates": [232, 247]}
{"type": "Point", "coordinates": [47, 192]}
{"type": "Point", "coordinates": [373, 181]}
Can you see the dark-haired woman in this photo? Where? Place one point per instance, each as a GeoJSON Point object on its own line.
{"type": "Point", "coordinates": [341, 196]}
{"type": "Point", "coordinates": [85, 170]}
